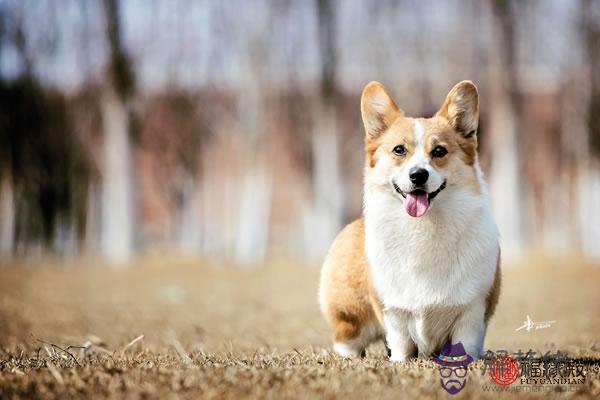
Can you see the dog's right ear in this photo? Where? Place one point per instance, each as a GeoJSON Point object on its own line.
{"type": "Point", "coordinates": [461, 109]}
{"type": "Point", "coordinates": [378, 109]}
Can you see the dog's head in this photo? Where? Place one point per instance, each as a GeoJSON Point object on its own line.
{"type": "Point", "coordinates": [417, 159]}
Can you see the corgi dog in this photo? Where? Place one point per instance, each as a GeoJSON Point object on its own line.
{"type": "Point", "coordinates": [422, 266]}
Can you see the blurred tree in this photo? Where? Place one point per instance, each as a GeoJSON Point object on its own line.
{"type": "Point", "coordinates": [589, 170]}
{"type": "Point", "coordinates": [251, 237]}
{"type": "Point", "coordinates": [591, 34]}
{"type": "Point", "coordinates": [323, 216]}
{"type": "Point", "coordinates": [117, 183]}
{"type": "Point", "coordinates": [508, 197]}
{"type": "Point", "coordinates": [43, 167]}
{"type": "Point", "coordinates": [7, 203]}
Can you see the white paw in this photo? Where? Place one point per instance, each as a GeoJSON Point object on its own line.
{"type": "Point", "coordinates": [347, 349]}
{"type": "Point", "coordinates": [398, 357]}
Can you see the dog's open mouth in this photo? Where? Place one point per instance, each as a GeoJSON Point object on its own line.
{"type": "Point", "coordinates": [418, 201]}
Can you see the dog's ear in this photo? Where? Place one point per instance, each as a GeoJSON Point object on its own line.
{"type": "Point", "coordinates": [461, 108]}
{"type": "Point", "coordinates": [378, 109]}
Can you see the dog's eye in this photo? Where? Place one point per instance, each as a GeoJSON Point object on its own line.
{"type": "Point", "coordinates": [439, 151]}
{"type": "Point", "coordinates": [399, 150]}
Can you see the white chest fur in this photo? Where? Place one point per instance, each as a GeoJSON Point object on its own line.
{"type": "Point", "coordinates": [447, 257]}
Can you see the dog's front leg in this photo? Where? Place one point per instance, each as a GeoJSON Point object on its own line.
{"type": "Point", "coordinates": [470, 327]}
{"type": "Point", "coordinates": [397, 335]}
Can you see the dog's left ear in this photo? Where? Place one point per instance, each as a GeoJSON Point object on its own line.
{"type": "Point", "coordinates": [378, 109]}
{"type": "Point", "coordinates": [461, 108]}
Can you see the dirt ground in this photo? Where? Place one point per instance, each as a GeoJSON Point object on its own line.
{"type": "Point", "coordinates": [213, 331]}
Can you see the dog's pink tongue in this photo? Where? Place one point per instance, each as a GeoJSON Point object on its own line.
{"type": "Point", "coordinates": [417, 203]}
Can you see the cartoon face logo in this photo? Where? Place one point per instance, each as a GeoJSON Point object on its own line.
{"type": "Point", "coordinates": [453, 362]}
{"type": "Point", "coordinates": [453, 378]}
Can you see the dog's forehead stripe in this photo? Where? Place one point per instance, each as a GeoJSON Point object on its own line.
{"type": "Point", "coordinates": [418, 134]}
{"type": "Point", "coordinates": [418, 158]}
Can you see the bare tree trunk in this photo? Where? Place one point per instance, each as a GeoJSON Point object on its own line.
{"type": "Point", "coordinates": [323, 218]}
{"type": "Point", "coordinates": [508, 197]}
{"type": "Point", "coordinates": [117, 191]}
{"type": "Point", "coordinates": [589, 217]}
{"type": "Point", "coordinates": [117, 213]}
{"type": "Point", "coordinates": [589, 180]}
{"type": "Point", "coordinates": [252, 237]}
{"type": "Point", "coordinates": [254, 188]}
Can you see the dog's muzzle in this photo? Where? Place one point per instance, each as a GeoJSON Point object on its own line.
{"type": "Point", "coordinates": [431, 195]}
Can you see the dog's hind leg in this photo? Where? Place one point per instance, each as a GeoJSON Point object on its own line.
{"type": "Point", "coordinates": [352, 336]}
{"type": "Point", "coordinates": [347, 341]}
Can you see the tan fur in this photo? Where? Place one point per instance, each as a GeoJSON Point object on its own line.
{"type": "Point", "coordinates": [492, 298]}
{"type": "Point", "coordinates": [346, 289]}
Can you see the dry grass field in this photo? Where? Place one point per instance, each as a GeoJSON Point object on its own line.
{"type": "Point", "coordinates": [211, 331]}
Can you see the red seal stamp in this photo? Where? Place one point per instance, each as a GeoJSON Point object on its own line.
{"type": "Point", "coordinates": [504, 370]}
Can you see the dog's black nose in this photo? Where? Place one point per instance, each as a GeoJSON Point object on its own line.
{"type": "Point", "coordinates": [418, 176]}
